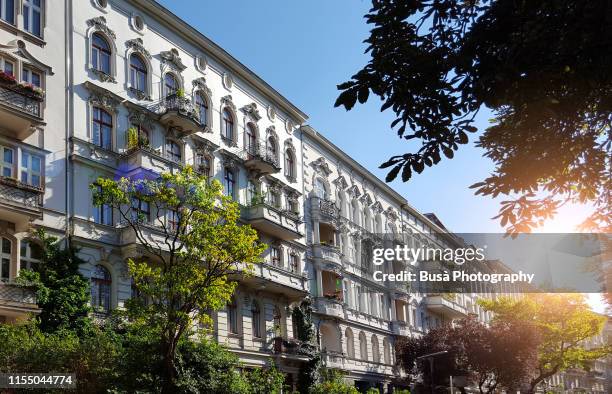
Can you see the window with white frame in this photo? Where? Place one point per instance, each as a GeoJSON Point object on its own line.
{"type": "Point", "coordinates": [7, 11]}
{"type": "Point", "coordinates": [138, 73]}
{"type": "Point", "coordinates": [7, 161]}
{"type": "Point", "coordinates": [227, 130]}
{"type": "Point", "coordinates": [5, 258]}
{"type": "Point", "coordinates": [7, 66]}
{"type": "Point", "coordinates": [103, 214]}
{"type": "Point", "coordinates": [171, 85]}
{"type": "Point", "coordinates": [202, 106]}
{"type": "Point", "coordinates": [32, 16]}
{"type": "Point", "coordinates": [274, 198]}
{"type": "Point", "coordinates": [251, 193]}
{"type": "Point", "coordinates": [30, 255]}
{"type": "Point", "coordinates": [275, 256]}
{"type": "Point", "coordinates": [173, 151]}
{"type": "Point", "coordinates": [32, 77]}
{"type": "Point", "coordinates": [172, 219]}
{"type": "Point", "coordinates": [31, 168]}
{"type": "Point", "coordinates": [101, 54]}
{"type": "Point", "coordinates": [256, 319]}
{"type": "Point", "coordinates": [141, 210]}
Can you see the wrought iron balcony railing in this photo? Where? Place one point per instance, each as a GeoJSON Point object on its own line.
{"type": "Point", "coordinates": [21, 193]}
{"type": "Point", "coordinates": [10, 292]}
{"type": "Point", "coordinates": [19, 99]}
{"type": "Point", "coordinates": [259, 151]}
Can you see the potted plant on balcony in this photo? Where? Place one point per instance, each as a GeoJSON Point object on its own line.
{"type": "Point", "coordinates": [31, 91]}
{"type": "Point", "coordinates": [136, 140]}
{"type": "Point", "coordinates": [7, 79]}
{"type": "Point", "coordinates": [258, 198]}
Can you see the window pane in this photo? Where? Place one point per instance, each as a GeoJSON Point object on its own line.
{"type": "Point", "coordinates": [8, 155]}
{"type": "Point", "coordinates": [24, 176]}
{"type": "Point", "coordinates": [35, 79]}
{"type": "Point", "coordinates": [26, 17]}
{"type": "Point", "coordinates": [8, 68]}
{"type": "Point", "coordinates": [35, 164]}
{"type": "Point", "coordinates": [35, 180]}
{"type": "Point", "coordinates": [8, 11]}
{"type": "Point", "coordinates": [36, 23]}
{"type": "Point", "coordinates": [6, 246]}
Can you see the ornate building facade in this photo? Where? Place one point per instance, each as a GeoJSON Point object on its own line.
{"type": "Point", "coordinates": [113, 88]}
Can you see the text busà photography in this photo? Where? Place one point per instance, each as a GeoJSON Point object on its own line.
{"type": "Point", "coordinates": [308, 197]}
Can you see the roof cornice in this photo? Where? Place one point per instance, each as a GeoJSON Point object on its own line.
{"type": "Point", "coordinates": [182, 28]}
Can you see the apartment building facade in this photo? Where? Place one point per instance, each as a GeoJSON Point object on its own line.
{"type": "Point", "coordinates": [110, 88]}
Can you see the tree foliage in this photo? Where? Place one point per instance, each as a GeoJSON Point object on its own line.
{"type": "Point", "coordinates": [62, 292]}
{"type": "Point", "coordinates": [495, 357]}
{"type": "Point", "coordinates": [542, 68]}
{"type": "Point", "coordinates": [563, 323]}
{"type": "Point", "coordinates": [192, 247]}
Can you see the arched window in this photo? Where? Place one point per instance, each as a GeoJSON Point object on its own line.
{"type": "Point", "coordinates": [375, 349]}
{"type": "Point", "coordinates": [319, 189]}
{"type": "Point", "coordinates": [5, 258]}
{"type": "Point", "coordinates": [386, 351]}
{"type": "Point", "coordinates": [101, 289]}
{"type": "Point", "coordinates": [173, 151]}
{"type": "Point", "coordinates": [256, 319]}
{"type": "Point", "coordinates": [350, 343]}
{"type": "Point", "coordinates": [363, 347]}
{"type": "Point", "coordinates": [289, 164]}
{"type": "Point", "coordinates": [171, 85]}
{"type": "Point", "coordinates": [202, 107]}
{"type": "Point", "coordinates": [228, 125]}
{"type": "Point", "coordinates": [138, 73]}
{"type": "Point", "coordinates": [251, 139]}
{"type": "Point", "coordinates": [232, 316]}
{"type": "Point", "coordinates": [229, 182]}
{"type": "Point", "coordinates": [102, 128]}
{"type": "Point", "coordinates": [100, 54]}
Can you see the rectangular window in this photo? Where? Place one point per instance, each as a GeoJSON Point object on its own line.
{"type": "Point", "coordinates": [31, 77]}
{"type": "Point", "coordinates": [8, 67]}
{"type": "Point", "coordinates": [274, 199]}
{"type": "Point", "coordinates": [31, 167]}
{"type": "Point", "coordinates": [6, 161]}
{"type": "Point", "coordinates": [172, 218]}
{"type": "Point", "coordinates": [294, 263]}
{"type": "Point", "coordinates": [232, 317]}
{"type": "Point", "coordinates": [7, 11]}
{"type": "Point", "coordinates": [32, 16]}
{"type": "Point", "coordinates": [275, 256]}
{"type": "Point", "coordinates": [29, 255]}
{"type": "Point", "coordinates": [103, 214]}
{"type": "Point", "coordinates": [140, 210]}
{"type": "Point", "coordinates": [5, 258]}
{"type": "Point", "coordinates": [102, 128]}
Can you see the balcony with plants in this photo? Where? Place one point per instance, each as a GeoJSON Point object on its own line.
{"type": "Point", "coordinates": [178, 112]}
{"type": "Point", "coordinates": [264, 216]}
{"type": "Point", "coordinates": [20, 105]}
{"type": "Point", "coordinates": [260, 159]}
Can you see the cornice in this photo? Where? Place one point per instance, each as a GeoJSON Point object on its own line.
{"type": "Point", "coordinates": [177, 25]}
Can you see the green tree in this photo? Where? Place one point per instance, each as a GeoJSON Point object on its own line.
{"type": "Point", "coordinates": [192, 249]}
{"type": "Point", "coordinates": [563, 322]}
{"type": "Point", "coordinates": [332, 382]}
{"type": "Point", "coordinates": [541, 67]}
{"type": "Point", "coordinates": [62, 292]}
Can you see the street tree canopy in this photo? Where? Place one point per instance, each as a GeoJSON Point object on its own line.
{"type": "Point", "coordinates": [563, 323]}
{"type": "Point", "coordinates": [541, 67]}
{"type": "Point", "coordinates": [192, 246]}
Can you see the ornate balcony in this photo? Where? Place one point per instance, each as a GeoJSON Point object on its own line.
{"type": "Point", "coordinates": [334, 360]}
{"type": "Point", "coordinates": [179, 113]}
{"type": "Point", "coordinates": [260, 159]}
{"type": "Point", "coordinates": [20, 109]}
{"type": "Point", "coordinates": [328, 256]}
{"type": "Point", "coordinates": [400, 328]}
{"type": "Point", "coordinates": [292, 349]}
{"type": "Point", "coordinates": [443, 306]}
{"type": "Point", "coordinates": [329, 306]}
{"type": "Point", "coordinates": [324, 210]}
{"type": "Point", "coordinates": [19, 202]}
{"type": "Point", "coordinates": [17, 302]}
{"type": "Point", "coordinates": [264, 217]}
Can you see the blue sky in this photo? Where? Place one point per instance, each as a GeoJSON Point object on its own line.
{"type": "Point", "coordinates": [304, 49]}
